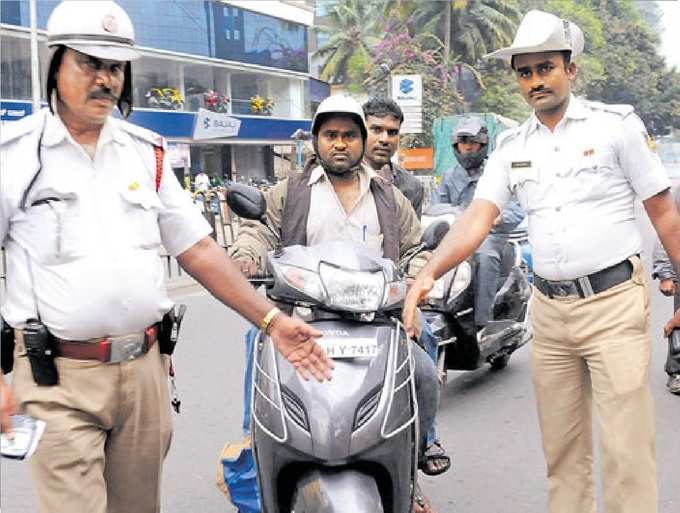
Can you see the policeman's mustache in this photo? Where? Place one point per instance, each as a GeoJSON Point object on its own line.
{"type": "Point", "coordinates": [103, 94]}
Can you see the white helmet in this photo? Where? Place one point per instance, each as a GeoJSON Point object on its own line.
{"type": "Point", "coordinates": [101, 29]}
{"type": "Point", "coordinates": [343, 105]}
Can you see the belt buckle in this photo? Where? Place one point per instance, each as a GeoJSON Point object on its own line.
{"type": "Point", "coordinates": [563, 289]}
{"type": "Point", "coordinates": [126, 347]}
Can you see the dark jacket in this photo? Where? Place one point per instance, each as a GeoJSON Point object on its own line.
{"type": "Point", "coordinates": [408, 184]}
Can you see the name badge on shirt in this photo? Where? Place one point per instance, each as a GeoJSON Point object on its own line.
{"type": "Point", "coordinates": [520, 164]}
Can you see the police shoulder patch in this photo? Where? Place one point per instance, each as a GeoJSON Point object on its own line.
{"type": "Point", "coordinates": [13, 130]}
{"type": "Point", "coordinates": [507, 136]}
{"type": "Point", "coordinates": [144, 134]}
{"type": "Point", "coordinates": [622, 110]}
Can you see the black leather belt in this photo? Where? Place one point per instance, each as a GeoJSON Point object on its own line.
{"type": "Point", "coordinates": [586, 286]}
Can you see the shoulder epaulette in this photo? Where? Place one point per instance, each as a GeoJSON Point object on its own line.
{"type": "Point", "coordinates": [144, 134]}
{"type": "Point", "coordinates": [508, 135]}
{"type": "Point", "coordinates": [621, 110]}
{"type": "Point", "coordinates": [13, 130]}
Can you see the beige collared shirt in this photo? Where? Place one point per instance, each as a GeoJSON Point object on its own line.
{"type": "Point", "coordinates": [87, 243]}
{"type": "Point", "coordinates": [328, 220]}
{"type": "Point", "coordinates": [578, 185]}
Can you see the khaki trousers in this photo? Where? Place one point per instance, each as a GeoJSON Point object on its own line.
{"type": "Point", "coordinates": [108, 431]}
{"type": "Point", "coordinates": [596, 350]}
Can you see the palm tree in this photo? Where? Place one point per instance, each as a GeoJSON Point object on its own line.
{"type": "Point", "coordinates": [477, 27]}
{"type": "Point", "coordinates": [352, 30]}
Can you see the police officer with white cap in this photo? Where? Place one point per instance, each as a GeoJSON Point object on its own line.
{"type": "Point", "coordinates": [85, 202]}
{"type": "Point", "coordinates": [577, 168]}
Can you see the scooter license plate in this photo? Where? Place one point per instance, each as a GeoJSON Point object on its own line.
{"type": "Point", "coordinates": [352, 348]}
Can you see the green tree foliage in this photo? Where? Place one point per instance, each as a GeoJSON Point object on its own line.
{"type": "Point", "coordinates": [401, 53]}
{"type": "Point", "coordinates": [477, 26]}
{"type": "Point", "coordinates": [634, 72]}
{"type": "Point", "coordinates": [353, 29]}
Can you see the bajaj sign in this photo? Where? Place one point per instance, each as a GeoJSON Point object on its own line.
{"type": "Point", "coordinates": [407, 90]}
{"type": "Point", "coordinates": [210, 125]}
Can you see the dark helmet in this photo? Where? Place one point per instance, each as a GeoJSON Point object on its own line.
{"type": "Point", "coordinates": [471, 130]}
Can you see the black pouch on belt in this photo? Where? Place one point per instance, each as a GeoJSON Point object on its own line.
{"type": "Point", "coordinates": [40, 350]}
{"type": "Point", "coordinates": [674, 344]}
{"type": "Point", "coordinates": [6, 347]}
{"type": "Point", "coordinates": [168, 334]}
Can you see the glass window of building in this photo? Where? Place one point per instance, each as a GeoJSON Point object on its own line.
{"type": "Point", "coordinates": [244, 87]}
{"type": "Point", "coordinates": [206, 87]}
{"type": "Point", "coordinates": [15, 68]}
{"type": "Point", "coordinates": [246, 36]}
{"type": "Point", "coordinates": [158, 84]}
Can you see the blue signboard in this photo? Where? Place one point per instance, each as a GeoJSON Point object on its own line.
{"type": "Point", "coordinates": [12, 111]}
{"type": "Point", "coordinates": [174, 125]}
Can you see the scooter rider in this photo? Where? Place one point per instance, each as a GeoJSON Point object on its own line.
{"type": "Point", "coordinates": [470, 145]}
{"type": "Point", "coordinates": [338, 198]}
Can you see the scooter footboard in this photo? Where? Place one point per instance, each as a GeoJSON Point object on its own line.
{"type": "Point", "coordinates": [346, 491]}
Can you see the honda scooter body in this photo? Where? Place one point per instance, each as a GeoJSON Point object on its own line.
{"type": "Point", "coordinates": [348, 445]}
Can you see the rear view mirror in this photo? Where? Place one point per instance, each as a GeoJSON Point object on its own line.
{"type": "Point", "coordinates": [434, 234]}
{"type": "Point", "coordinates": [247, 202]}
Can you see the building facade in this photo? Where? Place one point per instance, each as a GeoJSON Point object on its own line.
{"type": "Point", "coordinates": [226, 82]}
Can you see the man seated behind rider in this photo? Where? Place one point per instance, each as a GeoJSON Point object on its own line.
{"type": "Point", "coordinates": [336, 197]}
{"type": "Point", "coordinates": [470, 145]}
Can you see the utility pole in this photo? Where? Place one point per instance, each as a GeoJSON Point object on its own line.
{"type": "Point", "coordinates": [35, 64]}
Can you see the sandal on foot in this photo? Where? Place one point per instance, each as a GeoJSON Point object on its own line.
{"type": "Point", "coordinates": [435, 461]}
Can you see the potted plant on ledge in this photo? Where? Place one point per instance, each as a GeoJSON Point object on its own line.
{"type": "Point", "coordinates": [261, 106]}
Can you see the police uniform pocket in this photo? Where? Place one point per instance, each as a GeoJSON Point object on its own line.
{"type": "Point", "coordinates": [141, 210]}
{"type": "Point", "coordinates": [524, 183]}
{"type": "Point", "coordinates": [593, 173]}
{"type": "Point", "coordinates": [58, 232]}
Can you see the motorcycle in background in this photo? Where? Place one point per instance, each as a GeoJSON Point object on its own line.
{"type": "Point", "coordinates": [449, 308]}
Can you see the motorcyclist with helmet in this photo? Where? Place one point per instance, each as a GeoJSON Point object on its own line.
{"type": "Point", "coordinates": [470, 142]}
{"type": "Point", "coordinates": [337, 197]}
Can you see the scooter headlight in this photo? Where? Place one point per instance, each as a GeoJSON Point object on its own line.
{"type": "Point", "coordinates": [357, 291]}
{"type": "Point", "coordinates": [441, 285]}
{"type": "Point", "coordinates": [305, 281]}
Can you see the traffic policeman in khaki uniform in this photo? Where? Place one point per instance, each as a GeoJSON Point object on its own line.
{"type": "Point", "coordinates": [86, 200]}
{"type": "Point", "coordinates": [577, 168]}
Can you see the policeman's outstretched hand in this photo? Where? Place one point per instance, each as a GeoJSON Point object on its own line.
{"type": "Point", "coordinates": [672, 324]}
{"type": "Point", "coordinates": [296, 340]}
{"type": "Point", "coordinates": [418, 291]}
{"type": "Point", "coordinates": [7, 407]}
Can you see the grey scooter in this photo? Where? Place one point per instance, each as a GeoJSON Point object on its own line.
{"type": "Point", "coordinates": [349, 445]}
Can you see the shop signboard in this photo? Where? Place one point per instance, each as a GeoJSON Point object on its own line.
{"type": "Point", "coordinates": [179, 155]}
{"type": "Point", "coordinates": [407, 92]}
{"type": "Point", "coordinates": [211, 125]}
{"type": "Point", "coordinates": [416, 158]}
